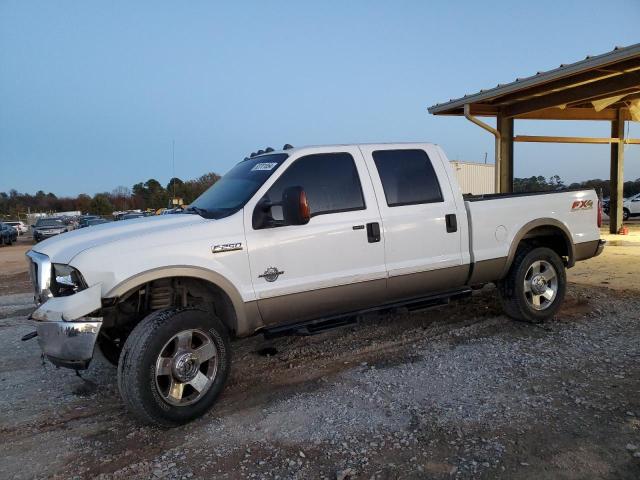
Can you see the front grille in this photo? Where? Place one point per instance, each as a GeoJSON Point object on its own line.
{"type": "Point", "coordinates": [40, 271]}
{"type": "Point", "coordinates": [33, 274]}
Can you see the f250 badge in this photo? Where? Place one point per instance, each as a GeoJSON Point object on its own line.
{"type": "Point", "coordinates": [271, 274]}
{"type": "Point", "coordinates": [582, 205]}
{"type": "Point", "coordinates": [226, 247]}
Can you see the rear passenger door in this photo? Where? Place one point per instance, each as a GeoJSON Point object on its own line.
{"type": "Point", "coordinates": [419, 216]}
{"type": "Point", "coordinates": [330, 265]}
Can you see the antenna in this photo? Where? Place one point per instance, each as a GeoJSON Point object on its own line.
{"type": "Point", "coordinates": [173, 167]}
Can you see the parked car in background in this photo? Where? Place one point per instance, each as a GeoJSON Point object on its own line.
{"type": "Point", "coordinates": [125, 213]}
{"type": "Point", "coordinates": [8, 234]}
{"type": "Point", "coordinates": [170, 211]}
{"type": "Point", "coordinates": [21, 227]}
{"type": "Point", "coordinates": [631, 207]}
{"type": "Point", "coordinates": [84, 220]}
{"type": "Point", "coordinates": [96, 221]}
{"type": "Point", "coordinates": [129, 216]}
{"type": "Point", "coordinates": [48, 227]}
{"type": "Point", "coordinates": [70, 222]}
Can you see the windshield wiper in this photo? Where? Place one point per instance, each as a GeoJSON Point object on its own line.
{"type": "Point", "coordinates": [200, 211]}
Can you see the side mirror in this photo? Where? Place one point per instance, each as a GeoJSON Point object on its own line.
{"type": "Point", "coordinates": [295, 207]}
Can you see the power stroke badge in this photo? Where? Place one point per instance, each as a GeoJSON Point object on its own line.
{"type": "Point", "coordinates": [271, 274]}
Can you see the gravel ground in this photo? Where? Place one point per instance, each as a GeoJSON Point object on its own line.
{"type": "Point", "coordinates": [454, 392]}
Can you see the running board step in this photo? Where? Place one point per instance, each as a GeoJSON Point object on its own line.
{"type": "Point", "coordinates": [315, 327]}
{"type": "Point", "coordinates": [437, 300]}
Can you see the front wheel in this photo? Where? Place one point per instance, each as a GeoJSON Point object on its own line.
{"type": "Point", "coordinates": [625, 214]}
{"type": "Point", "coordinates": [535, 286]}
{"type": "Point", "coordinates": [174, 365]}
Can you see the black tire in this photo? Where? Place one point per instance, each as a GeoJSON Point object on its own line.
{"type": "Point", "coordinates": [515, 301]}
{"type": "Point", "coordinates": [625, 214]}
{"type": "Point", "coordinates": [137, 366]}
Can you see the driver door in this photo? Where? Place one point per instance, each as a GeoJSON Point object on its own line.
{"type": "Point", "coordinates": [330, 265]}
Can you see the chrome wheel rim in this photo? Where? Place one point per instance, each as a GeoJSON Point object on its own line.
{"type": "Point", "coordinates": [186, 367]}
{"type": "Point", "coordinates": [540, 285]}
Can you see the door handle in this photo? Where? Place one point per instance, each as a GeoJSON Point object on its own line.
{"type": "Point", "coordinates": [373, 232]}
{"type": "Point", "coordinates": [452, 222]}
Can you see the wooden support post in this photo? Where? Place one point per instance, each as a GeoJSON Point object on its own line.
{"type": "Point", "coordinates": [505, 127]}
{"type": "Point", "coordinates": [616, 181]}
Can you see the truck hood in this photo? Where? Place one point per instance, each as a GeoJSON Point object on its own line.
{"type": "Point", "coordinates": [62, 248]}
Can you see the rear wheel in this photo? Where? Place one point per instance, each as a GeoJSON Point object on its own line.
{"type": "Point", "coordinates": [625, 214]}
{"type": "Point", "coordinates": [535, 286]}
{"type": "Point", "coordinates": [174, 365]}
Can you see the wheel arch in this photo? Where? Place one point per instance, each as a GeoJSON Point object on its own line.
{"type": "Point", "coordinates": [243, 317]}
{"type": "Point", "coordinates": [547, 232]}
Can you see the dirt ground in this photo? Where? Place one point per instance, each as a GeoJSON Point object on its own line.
{"type": "Point", "coordinates": [459, 391]}
{"type": "Point", "coordinates": [619, 268]}
{"type": "Point", "coordinates": [14, 277]}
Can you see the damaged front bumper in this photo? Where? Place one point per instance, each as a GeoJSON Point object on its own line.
{"type": "Point", "coordinates": [67, 332]}
{"type": "Point", "coordinates": [69, 344]}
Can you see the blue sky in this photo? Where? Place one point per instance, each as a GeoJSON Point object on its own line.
{"type": "Point", "coordinates": [92, 93]}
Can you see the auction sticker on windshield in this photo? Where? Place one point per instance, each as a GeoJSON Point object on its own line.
{"type": "Point", "coordinates": [264, 166]}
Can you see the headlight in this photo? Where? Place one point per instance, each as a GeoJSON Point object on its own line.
{"type": "Point", "coordinates": [66, 280]}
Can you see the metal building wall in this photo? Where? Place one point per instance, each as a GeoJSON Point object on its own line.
{"type": "Point", "coordinates": [475, 178]}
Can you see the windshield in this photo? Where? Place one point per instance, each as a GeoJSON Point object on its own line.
{"type": "Point", "coordinates": [49, 223]}
{"type": "Point", "coordinates": [231, 192]}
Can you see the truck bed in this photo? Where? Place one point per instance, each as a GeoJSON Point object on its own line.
{"type": "Point", "coordinates": [495, 220]}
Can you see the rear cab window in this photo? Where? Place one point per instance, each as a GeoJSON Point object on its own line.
{"type": "Point", "coordinates": [407, 177]}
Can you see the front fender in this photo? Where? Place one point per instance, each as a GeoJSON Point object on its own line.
{"type": "Point", "coordinates": [247, 319]}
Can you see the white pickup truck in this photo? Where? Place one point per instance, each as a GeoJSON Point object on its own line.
{"type": "Point", "coordinates": [294, 241]}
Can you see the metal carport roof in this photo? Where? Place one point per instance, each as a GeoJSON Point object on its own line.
{"type": "Point", "coordinates": [564, 93]}
{"type": "Point", "coordinates": [601, 87]}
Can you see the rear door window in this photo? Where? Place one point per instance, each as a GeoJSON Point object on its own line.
{"type": "Point", "coordinates": [408, 177]}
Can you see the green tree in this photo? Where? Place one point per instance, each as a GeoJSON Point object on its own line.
{"type": "Point", "coordinates": [155, 195]}
{"type": "Point", "coordinates": [101, 205]}
{"type": "Point", "coordinates": [174, 183]}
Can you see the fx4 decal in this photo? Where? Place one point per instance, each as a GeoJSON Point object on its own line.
{"type": "Point", "coordinates": [582, 205]}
